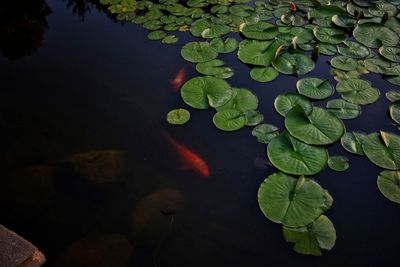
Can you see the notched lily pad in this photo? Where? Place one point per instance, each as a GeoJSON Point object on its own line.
{"type": "Point", "coordinates": [357, 91]}
{"type": "Point", "coordinates": [263, 74]}
{"type": "Point", "coordinates": [343, 110]}
{"type": "Point", "coordinates": [314, 88]}
{"type": "Point", "coordinates": [338, 163]}
{"type": "Point", "coordinates": [229, 120]}
{"type": "Point", "coordinates": [285, 102]}
{"type": "Point", "coordinates": [383, 149]}
{"type": "Point", "coordinates": [224, 46]}
{"type": "Point", "coordinates": [389, 185]}
{"type": "Point", "coordinates": [197, 52]}
{"type": "Point", "coordinates": [295, 63]}
{"type": "Point", "coordinates": [352, 142]}
{"type": "Point", "coordinates": [178, 116]}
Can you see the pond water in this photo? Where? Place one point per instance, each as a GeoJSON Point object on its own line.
{"type": "Point", "coordinates": [82, 93]}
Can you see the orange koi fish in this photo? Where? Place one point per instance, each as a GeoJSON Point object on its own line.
{"type": "Point", "coordinates": [191, 160]}
{"type": "Point", "coordinates": [293, 7]}
{"type": "Point", "coordinates": [179, 79]}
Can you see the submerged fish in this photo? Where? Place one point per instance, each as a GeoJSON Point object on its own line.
{"type": "Point", "coordinates": [179, 79]}
{"type": "Point", "coordinates": [190, 159]}
{"type": "Point", "coordinates": [293, 7]}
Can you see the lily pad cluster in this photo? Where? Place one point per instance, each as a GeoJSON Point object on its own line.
{"type": "Point", "coordinates": [287, 37]}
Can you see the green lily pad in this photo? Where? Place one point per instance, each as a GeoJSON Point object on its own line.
{"type": "Point", "coordinates": [327, 49]}
{"type": "Point", "coordinates": [383, 149]}
{"type": "Point", "coordinates": [344, 21]}
{"type": "Point", "coordinates": [320, 127]}
{"type": "Point", "coordinates": [292, 202]}
{"type": "Point", "coordinates": [292, 156]}
{"type": "Point", "coordinates": [294, 19]}
{"type": "Point", "coordinates": [340, 75]}
{"type": "Point", "coordinates": [170, 39]}
{"type": "Point", "coordinates": [326, 11]}
{"type": "Point", "coordinates": [224, 46]}
{"type": "Point", "coordinates": [344, 63]}
{"type": "Point", "coordinates": [353, 50]}
{"type": "Point", "coordinates": [260, 53]}
{"type": "Point", "coordinates": [285, 102]}
{"type": "Point", "coordinates": [357, 91]}
{"type": "Point", "coordinates": [352, 142]}
{"type": "Point", "coordinates": [253, 117]}
{"type": "Point", "coordinates": [375, 35]}
{"type": "Point", "coordinates": [295, 63]}
{"type": "Point", "coordinates": [265, 132]}
{"type": "Point", "coordinates": [156, 35]}
{"type": "Point", "coordinates": [178, 116]}
{"type": "Point", "coordinates": [242, 100]}
{"type": "Point", "coordinates": [314, 88]}
{"type": "Point", "coordinates": [338, 163]}
{"type": "Point", "coordinates": [390, 53]}
{"type": "Point", "coordinates": [215, 30]}
{"type": "Point", "coordinates": [202, 92]}
{"type": "Point", "coordinates": [263, 74]}
{"type": "Point", "coordinates": [329, 35]}
{"type": "Point", "coordinates": [378, 64]}
{"type": "Point", "coordinates": [343, 110]}
{"type": "Point", "coordinates": [381, 9]}
{"type": "Point", "coordinates": [216, 68]}
{"type": "Point", "coordinates": [394, 111]}
{"type": "Point", "coordinates": [259, 31]}
{"type": "Point", "coordinates": [229, 120]}
{"type": "Point", "coordinates": [199, 26]}
{"type": "Point", "coordinates": [389, 185]}
{"type": "Point", "coordinates": [321, 234]}
{"type": "Point", "coordinates": [393, 95]}
{"type": "Point", "coordinates": [198, 52]}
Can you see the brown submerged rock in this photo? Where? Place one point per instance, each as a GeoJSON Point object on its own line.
{"type": "Point", "coordinates": [17, 252]}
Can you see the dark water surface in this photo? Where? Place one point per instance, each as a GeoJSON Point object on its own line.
{"type": "Point", "coordinates": [87, 84]}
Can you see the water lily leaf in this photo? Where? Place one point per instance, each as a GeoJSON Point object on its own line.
{"type": "Point", "coordinates": [321, 234]}
{"type": "Point", "coordinates": [156, 35]}
{"type": "Point", "coordinates": [293, 18]}
{"type": "Point", "coordinates": [353, 50]}
{"type": "Point", "coordinates": [292, 156]}
{"type": "Point", "coordinates": [295, 63]}
{"type": "Point", "coordinates": [260, 53]}
{"type": "Point", "coordinates": [378, 64]}
{"type": "Point", "coordinates": [253, 117]}
{"type": "Point", "coordinates": [343, 110]}
{"type": "Point", "coordinates": [314, 88]}
{"type": "Point", "coordinates": [170, 39]}
{"type": "Point", "coordinates": [320, 127]}
{"type": "Point", "coordinates": [344, 63]}
{"type": "Point", "coordinates": [302, 35]}
{"type": "Point", "coordinates": [214, 68]}
{"type": "Point", "coordinates": [202, 92]}
{"type": "Point", "coordinates": [340, 75]}
{"type": "Point", "coordinates": [381, 9]}
{"type": "Point", "coordinates": [394, 111]}
{"type": "Point", "coordinates": [327, 49]}
{"type": "Point", "coordinates": [241, 10]}
{"type": "Point", "coordinates": [178, 116]}
{"type": "Point", "coordinates": [198, 52]}
{"type": "Point", "coordinates": [224, 46]}
{"type": "Point", "coordinates": [259, 31]}
{"type": "Point", "coordinates": [344, 21]}
{"type": "Point", "coordinates": [389, 185]}
{"type": "Point", "coordinates": [285, 102]}
{"type": "Point", "coordinates": [263, 74]}
{"type": "Point", "coordinates": [199, 26]}
{"type": "Point", "coordinates": [393, 79]}
{"type": "Point", "coordinates": [229, 120]}
{"type": "Point", "coordinates": [215, 30]}
{"type": "Point", "coordinates": [390, 53]}
{"type": "Point", "coordinates": [326, 11]}
{"type": "Point", "coordinates": [352, 142]}
{"type": "Point", "coordinates": [375, 35]}
{"type": "Point", "coordinates": [338, 163]}
{"type": "Point", "coordinates": [292, 202]}
{"type": "Point", "coordinates": [265, 132]}
{"type": "Point", "coordinates": [152, 25]}
{"type": "Point", "coordinates": [329, 35]}
{"type": "Point", "coordinates": [357, 91]}
{"type": "Point", "coordinates": [383, 149]}
{"type": "Point", "coordinates": [242, 100]}
{"type": "Point", "coordinates": [393, 95]}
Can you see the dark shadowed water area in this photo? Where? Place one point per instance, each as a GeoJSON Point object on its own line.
{"type": "Point", "coordinates": [74, 82]}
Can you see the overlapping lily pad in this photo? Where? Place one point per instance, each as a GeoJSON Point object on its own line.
{"type": "Point", "coordinates": [292, 156]}
{"type": "Point", "coordinates": [343, 110]}
{"type": "Point", "coordinates": [357, 91]}
{"type": "Point", "coordinates": [390, 53]}
{"type": "Point", "coordinates": [295, 63]}
{"type": "Point", "coordinates": [329, 35]}
{"type": "Point", "coordinates": [285, 102]}
{"type": "Point", "coordinates": [353, 50]}
{"type": "Point", "coordinates": [265, 132]}
{"type": "Point", "coordinates": [260, 31]}
{"type": "Point", "coordinates": [314, 88]}
{"type": "Point", "coordinates": [383, 149]}
{"type": "Point", "coordinates": [352, 142]}
{"type": "Point", "coordinates": [224, 46]}
{"type": "Point", "coordinates": [344, 63]}
{"type": "Point", "coordinates": [214, 68]}
{"type": "Point", "coordinates": [263, 74]}
{"type": "Point", "coordinates": [292, 202]}
{"type": "Point", "coordinates": [375, 35]}
{"type": "Point", "coordinates": [389, 185]}
{"type": "Point", "coordinates": [260, 53]}
{"type": "Point", "coordinates": [242, 100]}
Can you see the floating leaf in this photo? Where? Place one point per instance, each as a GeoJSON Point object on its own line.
{"type": "Point", "coordinates": [343, 110]}
{"type": "Point", "coordinates": [338, 163]}
{"type": "Point", "coordinates": [344, 63]}
{"type": "Point", "coordinates": [260, 53]}
{"type": "Point", "coordinates": [292, 156]}
{"type": "Point", "coordinates": [242, 100]}
{"type": "Point", "coordinates": [295, 63]}
{"type": "Point", "coordinates": [320, 127]}
{"type": "Point", "coordinates": [215, 30]}
{"type": "Point", "coordinates": [259, 31]}
{"type": "Point", "coordinates": [390, 53]}
{"type": "Point", "coordinates": [329, 35]}
{"type": "Point", "coordinates": [327, 49]}
{"type": "Point", "coordinates": [292, 202]}
{"type": "Point", "coordinates": [352, 142]}
{"type": "Point", "coordinates": [314, 88]}
{"type": "Point", "coordinates": [178, 116]}
{"type": "Point", "coordinates": [345, 21]}
{"type": "Point", "coordinates": [357, 91]}
{"type": "Point", "coordinates": [229, 120]}
{"type": "Point", "coordinates": [253, 117]}
{"type": "Point", "coordinates": [383, 149]}
{"type": "Point", "coordinates": [198, 52]}
{"type": "Point", "coordinates": [214, 68]}
{"type": "Point", "coordinates": [375, 35]}
{"type": "Point", "coordinates": [265, 132]}
{"type": "Point", "coordinates": [321, 234]}
{"type": "Point", "coordinates": [381, 9]}
{"type": "Point", "coordinates": [394, 111]}
{"type": "Point", "coordinates": [353, 50]}
{"type": "Point", "coordinates": [224, 46]}
{"type": "Point", "coordinates": [263, 74]}
{"type": "Point", "coordinates": [389, 185]}
{"type": "Point", "coordinates": [326, 11]}
{"type": "Point", "coordinates": [170, 39]}
{"type": "Point", "coordinates": [285, 102]}
{"type": "Point", "coordinates": [202, 92]}
{"type": "Point", "coordinates": [156, 35]}
{"type": "Point", "coordinates": [393, 95]}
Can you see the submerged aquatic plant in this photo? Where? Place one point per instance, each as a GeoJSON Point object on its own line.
{"type": "Point", "coordinates": [286, 37]}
